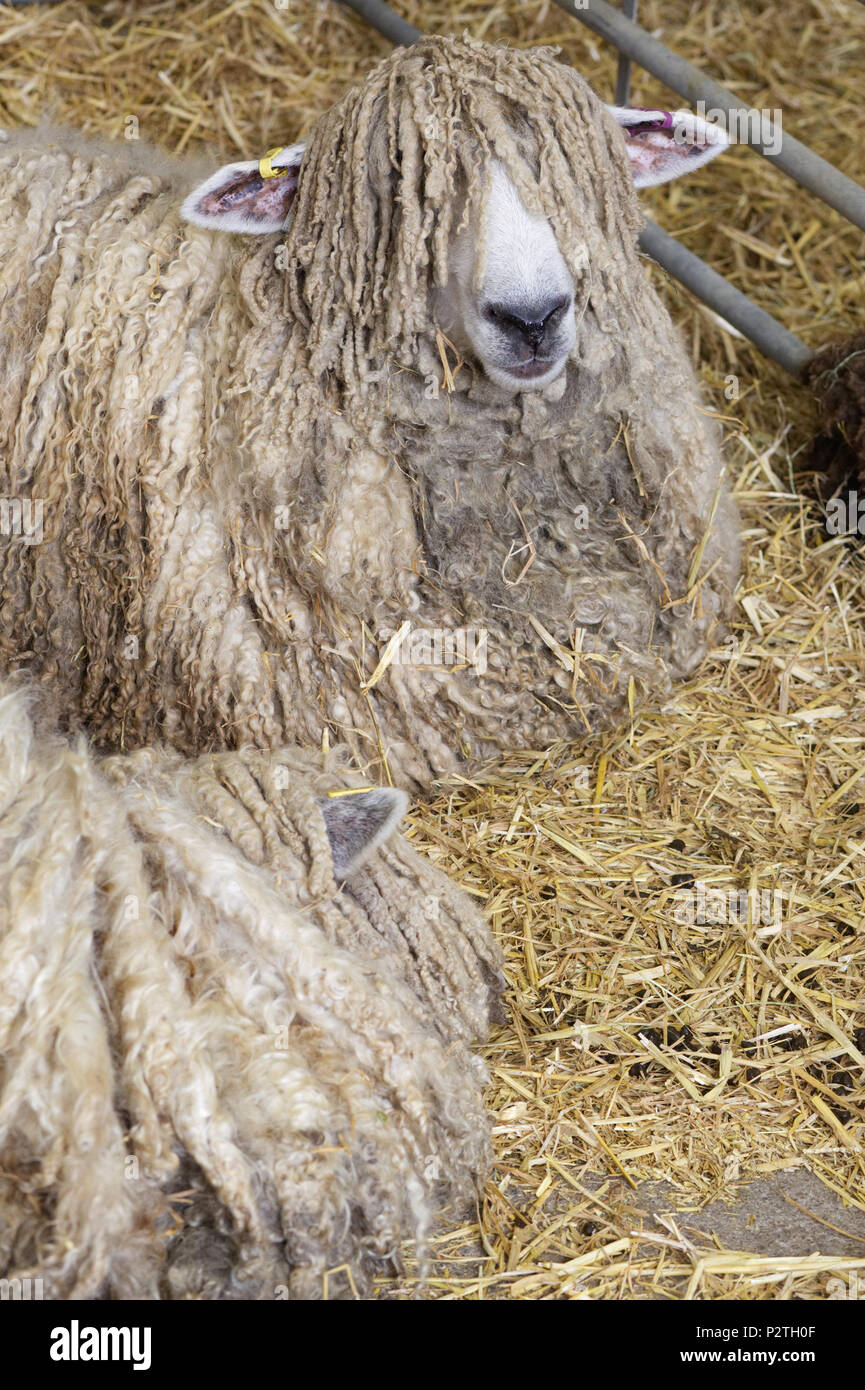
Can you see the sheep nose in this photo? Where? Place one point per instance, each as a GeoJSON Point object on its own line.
{"type": "Point", "coordinates": [531, 323]}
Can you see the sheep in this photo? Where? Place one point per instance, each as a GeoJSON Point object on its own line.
{"type": "Point", "coordinates": [224, 1074]}
{"type": "Point", "coordinates": [427, 401]}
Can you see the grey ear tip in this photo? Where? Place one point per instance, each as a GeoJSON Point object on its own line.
{"type": "Point", "coordinates": [399, 799]}
{"type": "Point", "coordinates": [359, 822]}
{"type": "Point", "coordinates": [394, 802]}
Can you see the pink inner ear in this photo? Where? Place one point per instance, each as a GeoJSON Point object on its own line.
{"type": "Point", "coordinates": [651, 150]}
{"type": "Point", "coordinates": [654, 151]}
{"type": "Point", "coordinates": [261, 200]}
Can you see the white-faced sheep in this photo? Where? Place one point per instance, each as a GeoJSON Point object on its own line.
{"type": "Point", "coordinates": [223, 1074]}
{"type": "Point", "coordinates": [267, 495]}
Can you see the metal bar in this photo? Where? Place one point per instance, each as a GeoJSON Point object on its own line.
{"type": "Point", "coordinates": [807, 168]}
{"type": "Point", "coordinates": [767, 334]}
{"type": "Point", "coordinates": [623, 73]}
{"type": "Point", "coordinates": [386, 21]}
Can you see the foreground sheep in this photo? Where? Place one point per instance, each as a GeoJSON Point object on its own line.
{"type": "Point", "coordinates": [257, 514]}
{"type": "Point", "coordinates": [222, 1075]}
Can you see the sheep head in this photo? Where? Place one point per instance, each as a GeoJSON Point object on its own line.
{"type": "Point", "coordinates": [453, 173]}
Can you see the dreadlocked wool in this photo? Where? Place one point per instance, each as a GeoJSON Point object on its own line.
{"type": "Point", "coordinates": [222, 1075]}
{"type": "Point", "coordinates": [253, 499]}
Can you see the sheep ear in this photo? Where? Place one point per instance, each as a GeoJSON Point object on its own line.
{"type": "Point", "coordinates": [664, 144]}
{"type": "Point", "coordinates": [357, 824]}
{"type": "Point", "coordinates": [254, 196]}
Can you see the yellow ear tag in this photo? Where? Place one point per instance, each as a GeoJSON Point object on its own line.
{"type": "Point", "coordinates": [265, 167]}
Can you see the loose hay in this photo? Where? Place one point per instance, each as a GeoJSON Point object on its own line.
{"type": "Point", "coordinates": [755, 768]}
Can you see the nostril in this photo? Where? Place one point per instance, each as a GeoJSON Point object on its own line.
{"type": "Point", "coordinates": [522, 322]}
{"type": "Point", "coordinates": [557, 308]}
{"type": "Point", "coordinates": [531, 323]}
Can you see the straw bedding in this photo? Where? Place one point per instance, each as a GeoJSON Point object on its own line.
{"type": "Point", "coordinates": [751, 1054]}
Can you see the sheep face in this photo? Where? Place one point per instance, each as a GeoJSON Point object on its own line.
{"type": "Point", "coordinates": [509, 299]}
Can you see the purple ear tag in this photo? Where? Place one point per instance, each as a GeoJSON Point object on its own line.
{"type": "Point", "coordinates": [664, 122]}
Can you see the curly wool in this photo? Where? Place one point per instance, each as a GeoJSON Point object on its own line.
{"type": "Point", "coordinates": [248, 479]}
{"type": "Point", "coordinates": [222, 1075]}
{"type": "Point", "coordinates": [836, 374]}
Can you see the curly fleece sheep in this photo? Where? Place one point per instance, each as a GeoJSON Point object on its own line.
{"type": "Point", "coordinates": [254, 497]}
{"type": "Point", "coordinates": [223, 1074]}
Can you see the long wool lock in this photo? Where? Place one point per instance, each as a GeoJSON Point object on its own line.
{"type": "Point", "coordinates": [236, 1019]}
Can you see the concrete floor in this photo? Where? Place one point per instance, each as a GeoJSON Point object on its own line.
{"type": "Point", "coordinates": [762, 1221]}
